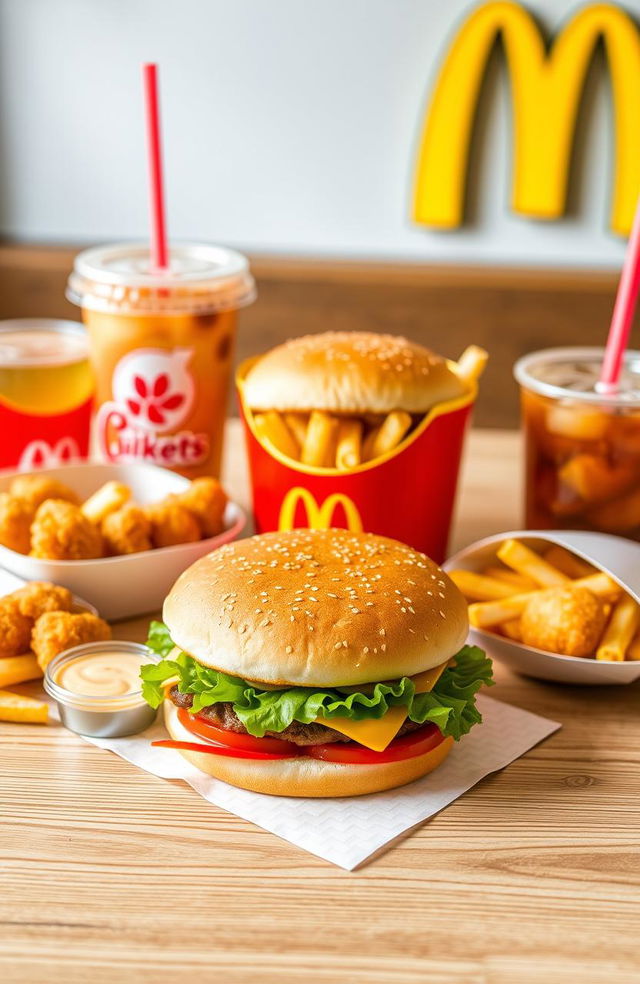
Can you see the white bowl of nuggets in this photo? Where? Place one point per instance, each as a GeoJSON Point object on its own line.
{"type": "Point", "coordinates": [38, 621]}
{"type": "Point", "coordinates": [118, 535]}
{"type": "Point", "coordinates": [555, 605]}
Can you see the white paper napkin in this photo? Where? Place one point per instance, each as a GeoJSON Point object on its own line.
{"type": "Point", "coordinates": [347, 831]}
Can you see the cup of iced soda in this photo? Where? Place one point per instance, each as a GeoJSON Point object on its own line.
{"type": "Point", "coordinates": [582, 446]}
{"type": "Point", "coordinates": [161, 344]}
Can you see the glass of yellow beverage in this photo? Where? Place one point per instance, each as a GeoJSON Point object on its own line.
{"type": "Point", "coordinates": [46, 393]}
{"type": "Point", "coordinates": [161, 343]}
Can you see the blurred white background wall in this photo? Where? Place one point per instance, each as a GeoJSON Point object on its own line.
{"type": "Point", "coordinates": [290, 126]}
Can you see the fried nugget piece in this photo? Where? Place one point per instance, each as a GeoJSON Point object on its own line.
{"type": "Point", "coordinates": [15, 628]}
{"type": "Point", "coordinates": [34, 489]}
{"type": "Point", "coordinates": [38, 597]}
{"type": "Point", "coordinates": [61, 532]}
{"type": "Point", "coordinates": [206, 499]}
{"type": "Point", "coordinates": [15, 523]}
{"type": "Point", "coordinates": [56, 631]}
{"type": "Point", "coordinates": [568, 621]}
{"type": "Point", "coordinates": [171, 523]}
{"type": "Point", "coordinates": [127, 531]}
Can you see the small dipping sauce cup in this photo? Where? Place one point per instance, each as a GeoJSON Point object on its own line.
{"type": "Point", "coordinates": [111, 705]}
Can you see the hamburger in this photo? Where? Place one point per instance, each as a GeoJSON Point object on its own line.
{"type": "Point", "coordinates": [340, 399]}
{"type": "Point", "coordinates": [315, 663]}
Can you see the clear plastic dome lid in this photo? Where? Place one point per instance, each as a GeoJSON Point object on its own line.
{"type": "Point", "coordinates": [201, 279]}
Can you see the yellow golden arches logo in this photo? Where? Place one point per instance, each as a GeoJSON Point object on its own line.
{"type": "Point", "coordinates": [318, 517]}
{"type": "Point", "coordinates": [546, 87]}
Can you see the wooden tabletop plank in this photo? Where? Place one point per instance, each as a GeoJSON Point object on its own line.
{"type": "Point", "coordinates": [111, 875]}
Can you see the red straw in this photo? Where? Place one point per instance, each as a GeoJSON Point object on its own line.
{"type": "Point", "coordinates": [623, 312]}
{"type": "Point", "coordinates": [156, 185]}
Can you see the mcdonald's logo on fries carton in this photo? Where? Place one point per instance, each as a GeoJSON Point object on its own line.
{"type": "Point", "coordinates": [407, 494]}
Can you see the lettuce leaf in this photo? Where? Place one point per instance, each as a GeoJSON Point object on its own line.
{"type": "Point", "coordinates": [450, 705]}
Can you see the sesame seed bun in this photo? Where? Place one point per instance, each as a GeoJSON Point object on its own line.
{"type": "Point", "coordinates": [350, 372]}
{"type": "Point", "coordinates": [317, 608]}
{"type": "Point", "coordinates": [303, 775]}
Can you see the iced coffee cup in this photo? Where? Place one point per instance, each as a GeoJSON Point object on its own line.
{"type": "Point", "coordinates": [161, 344]}
{"type": "Point", "coordinates": [582, 447]}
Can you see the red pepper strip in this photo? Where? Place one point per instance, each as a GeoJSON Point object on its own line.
{"type": "Point", "coordinates": [212, 749]}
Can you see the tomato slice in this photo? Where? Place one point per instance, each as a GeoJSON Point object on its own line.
{"type": "Point", "coordinates": [408, 746]}
{"type": "Point", "coordinates": [205, 729]}
{"type": "Point", "coordinates": [212, 749]}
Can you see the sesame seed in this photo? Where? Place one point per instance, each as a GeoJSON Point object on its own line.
{"type": "Point", "coordinates": [289, 649]}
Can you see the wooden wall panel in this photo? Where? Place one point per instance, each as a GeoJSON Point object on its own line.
{"type": "Point", "coordinates": [508, 311]}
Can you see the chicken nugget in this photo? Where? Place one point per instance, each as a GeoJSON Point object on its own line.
{"type": "Point", "coordinates": [38, 597]}
{"type": "Point", "coordinates": [171, 523]}
{"type": "Point", "coordinates": [15, 628]}
{"type": "Point", "coordinates": [56, 631]}
{"type": "Point", "coordinates": [61, 532]}
{"type": "Point", "coordinates": [127, 531]}
{"type": "Point", "coordinates": [206, 499]}
{"type": "Point", "coordinates": [34, 489]}
{"type": "Point", "coordinates": [568, 621]}
{"type": "Point", "coordinates": [15, 523]}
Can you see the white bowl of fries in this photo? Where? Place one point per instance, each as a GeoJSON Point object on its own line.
{"type": "Point", "coordinates": [574, 591]}
{"type": "Point", "coordinates": [131, 583]}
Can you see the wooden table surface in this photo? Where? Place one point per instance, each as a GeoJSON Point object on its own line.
{"type": "Point", "coordinates": [112, 875]}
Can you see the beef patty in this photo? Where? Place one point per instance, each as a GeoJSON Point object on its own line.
{"type": "Point", "coordinates": [224, 716]}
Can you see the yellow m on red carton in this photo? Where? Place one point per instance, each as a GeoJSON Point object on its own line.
{"type": "Point", "coordinates": [319, 517]}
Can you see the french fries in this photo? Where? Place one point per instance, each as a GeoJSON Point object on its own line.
{"type": "Point", "coordinates": [488, 613]}
{"type": "Point", "coordinates": [321, 433]}
{"type": "Point", "coordinates": [524, 561]}
{"type": "Point", "coordinates": [388, 436]}
{"type": "Point", "coordinates": [349, 444]}
{"type": "Point", "coordinates": [554, 601]}
{"type": "Point", "coordinates": [272, 429]}
{"type": "Point", "coordinates": [297, 424]}
{"type": "Point", "coordinates": [18, 669]}
{"type": "Point", "coordinates": [516, 580]}
{"type": "Point", "coordinates": [324, 440]}
{"type": "Point", "coordinates": [471, 364]}
{"type": "Point", "coordinates": [26, 710]}
{"type": "Point", "coordinates": [107, 499]}
{"type": "Point", "coordinates": [568, 563]}
{"type": "Point", "coordinates": [621, 629]}
{"type": "Point", "coordinates": [479, 587]}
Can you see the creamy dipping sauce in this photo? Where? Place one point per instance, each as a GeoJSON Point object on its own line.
{"type": "Point", "coordinates": [102, 674]}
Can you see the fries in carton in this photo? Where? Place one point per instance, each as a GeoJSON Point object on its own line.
{"type": "Point", "coordinates": [403, 486]}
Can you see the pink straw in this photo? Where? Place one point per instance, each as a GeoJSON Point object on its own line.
{"type": "Point", "coordinates": [623, 312]}
{"type": "Point", "coordinates": [159, 250]}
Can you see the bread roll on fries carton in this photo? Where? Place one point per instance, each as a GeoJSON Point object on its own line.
{"type": "Point", "coordinates": [559, 605]}
{"type": "Point", "coordinates": [359, 430]}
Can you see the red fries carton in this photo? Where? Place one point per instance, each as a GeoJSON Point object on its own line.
{"type": "Point", "coordinates": [407, 494]}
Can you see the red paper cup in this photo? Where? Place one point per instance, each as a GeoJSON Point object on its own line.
{"type": "Point", "coordinates": [407, 494]}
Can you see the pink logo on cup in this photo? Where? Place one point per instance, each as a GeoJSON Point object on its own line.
{"type": "Point", "coordinates": [153, 393]}
{"type": "Point", "coordinates": [155, 387]}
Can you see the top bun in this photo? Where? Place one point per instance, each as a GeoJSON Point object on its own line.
{"type": "Point", "coordinates": [350, 372]}
{"type": "Point", "coordinates": [317, 608]}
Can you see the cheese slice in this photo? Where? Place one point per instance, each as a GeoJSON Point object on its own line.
{"type": "Point", "coordinates": [371, 733]}
{"type": "Point", "coordinates": [424, 682]}
{"type": "Point", "coordinates": [377, 734]}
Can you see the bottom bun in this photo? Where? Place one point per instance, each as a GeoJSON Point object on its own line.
{"type": "Point", "coordinates": [303, 775]}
